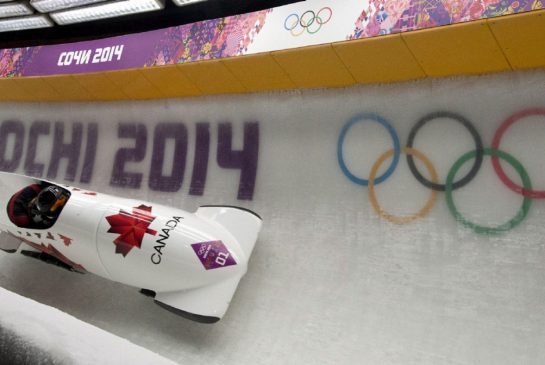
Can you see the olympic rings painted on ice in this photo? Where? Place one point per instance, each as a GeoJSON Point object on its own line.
{"type": "Point", "coordinates": [478, 147]}
{"type": "Point", "coordinates": [450, 185]}
{"type": "Point", "coordinates": [310, 21]}
{"type": "Point", "coordinates": [525, 181]}
{"type": "Point", "coordinates": [372, 196]}
{"type": "Point", "coordinates": [540, 194]}
{"type": "Point", "coordinates": [397, 150]}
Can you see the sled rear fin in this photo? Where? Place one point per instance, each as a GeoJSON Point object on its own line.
{"type": "Point", "coordinates": [242, 223]}
{"type": "Point", "coordinates": [205, 304]}
{"type": "Point", "coordinates": [9, 242]}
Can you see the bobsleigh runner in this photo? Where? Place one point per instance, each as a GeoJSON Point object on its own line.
{"type": "Point", "coordinates": [191, 263]}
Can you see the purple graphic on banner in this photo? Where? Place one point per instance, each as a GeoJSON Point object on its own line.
{"type": "Point", "coordinates": [213, 254]}
{"type": "Point", "coordinates": [13, 60]}
{"type": "Point", "coordinates": [380, 17]}
{"type": "Point", "coordinates": [209, 39]}
{"type": "Point", "coordinates": [129, 51]}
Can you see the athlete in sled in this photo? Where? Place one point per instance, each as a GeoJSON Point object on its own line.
{"type": "Point", "coordinates": [37, 205]}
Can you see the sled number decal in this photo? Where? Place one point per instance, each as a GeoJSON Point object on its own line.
{"type": "Point", "coordinates": [213, 254]}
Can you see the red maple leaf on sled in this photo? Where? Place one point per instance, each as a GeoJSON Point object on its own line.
{"type": "Point", "coordinates": [131, 228]}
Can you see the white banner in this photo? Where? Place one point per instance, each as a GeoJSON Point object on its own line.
{"type": "Point", "coordinates": [308, 23]}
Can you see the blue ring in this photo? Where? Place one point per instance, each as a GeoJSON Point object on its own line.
{"type": "Point", "coordinates": [397, 149]}
{"type": "Point", "coordinates": [295, 25]}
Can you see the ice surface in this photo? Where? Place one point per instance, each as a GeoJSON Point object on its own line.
{"type": "Point", "coordinates": [32, 333]}
{"type": "Point", "coordinates": [329, 282]}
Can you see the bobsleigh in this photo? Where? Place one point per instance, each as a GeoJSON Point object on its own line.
{"type": "Point", "coordinates": [190, 263]}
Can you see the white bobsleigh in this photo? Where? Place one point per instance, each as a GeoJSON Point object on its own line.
{"type": "Point", "coordinates": [191, 263]}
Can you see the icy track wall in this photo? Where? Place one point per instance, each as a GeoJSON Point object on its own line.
{"type": "Point", "coordinates": [366, 256]}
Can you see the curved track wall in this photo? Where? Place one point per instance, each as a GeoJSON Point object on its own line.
{"type": "Point", "coordinates": [337, 276]}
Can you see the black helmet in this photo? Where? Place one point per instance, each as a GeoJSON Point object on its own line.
{"type": "Point", "coordinates": [47, 198]}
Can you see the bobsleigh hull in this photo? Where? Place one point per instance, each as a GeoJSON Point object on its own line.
{"type": "Point", "coordinates": [192, 262]}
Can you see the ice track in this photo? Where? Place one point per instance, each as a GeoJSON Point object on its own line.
{"type": "Point", "coordinates": [330, 281]}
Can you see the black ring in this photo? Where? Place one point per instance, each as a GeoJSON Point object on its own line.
{"type": "Point", "coordinates": [478, 147]}
{"type": "Point", "coordinates": [312, 21]}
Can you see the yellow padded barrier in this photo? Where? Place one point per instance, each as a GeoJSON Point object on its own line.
{"type": "Point", "coordinates": [133, 84]}
{"type": "Point", "coordinates": [212, 77]}
{"type": "Point", "coordinates": [258, 72]}
{"type": "Point", "coordinates": [315, 66]}
{"type": "Point", "coordinates": [170, 81]}
{"type": "Point", "coordinates": [522, 38]}
{"type": "Point", "coordinates": [11, 91]}
{"type": "Point", "coordinates": [67, 88]}
{"type": "Point", "coordinates": [100, 87]}
{"type": "Point", "coordinates": [379, 59]}
{"type": "Point", "coordinates": [37, 88]}
{"type": "Point", "coordinates": [458, 49]}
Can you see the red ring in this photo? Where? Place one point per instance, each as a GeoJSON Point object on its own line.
{"type": "Point", "coordinates": [539, 194]}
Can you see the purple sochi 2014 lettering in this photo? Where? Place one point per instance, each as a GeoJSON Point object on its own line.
{"type": "Point", "coordinates": [245, 159]}
{"type": "Point", "coordinates": [69, 151]}
{"type": "Point", "coordinates": [64, 144]}
{"type": "Point", "coordinates": [114, 53]}
{"type": "Point", "coordinates": [170, 178]}
{"type": "Point", "coordinates": [37, 129]}
{"type": "Point", "coordinates": [90, 153]}
{"type": "Point", "coordinates": [158, 181]}
{"type": "Point", "coordinates": [11, 129]}
{"type": "Point", "coordinates": [200, 162]}
{"type": "Point", "coordinates": [120, 177]}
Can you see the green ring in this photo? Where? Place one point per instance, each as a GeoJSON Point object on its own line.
{"type": "Point", "coordinates": [526, 202]}
{"type": "Point", "coordinates": [317, 29]}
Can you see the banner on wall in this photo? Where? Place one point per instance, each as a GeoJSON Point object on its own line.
{"type": "Point", "coordinates": [295, 25]}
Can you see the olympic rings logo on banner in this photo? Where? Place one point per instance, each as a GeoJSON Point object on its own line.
{"type": "Point", "coordinates": [309, 21]}
{"type": "Point", "coordinates": [450, 184]}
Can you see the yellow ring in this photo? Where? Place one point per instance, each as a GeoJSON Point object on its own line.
{"type": "Point", "coordinates": [373, 198]}
{"type": "Point", "coordinates": [297, 34]}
